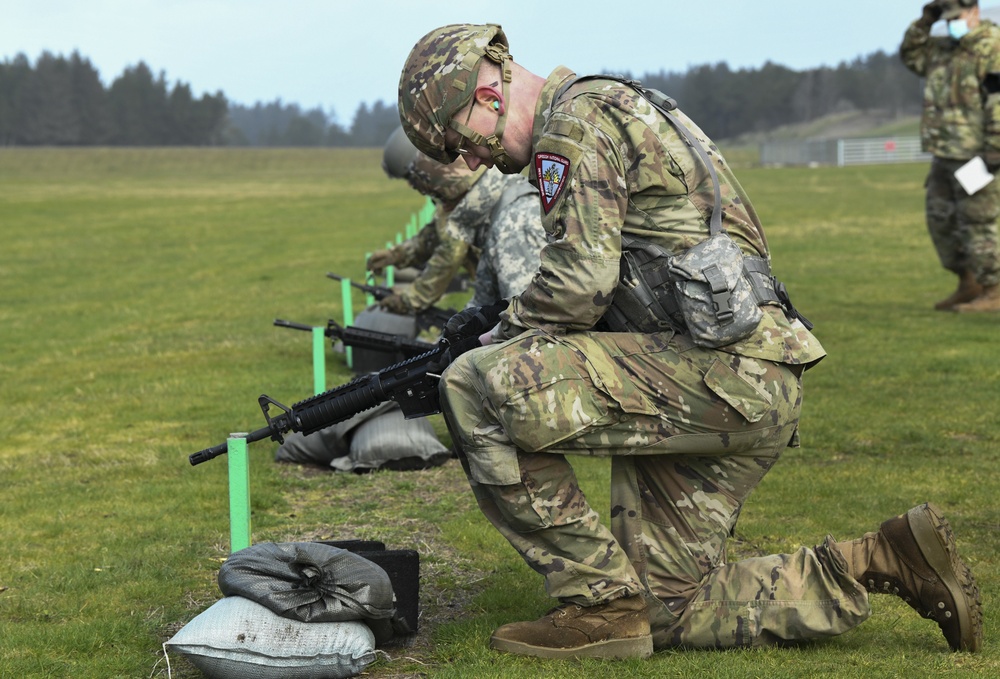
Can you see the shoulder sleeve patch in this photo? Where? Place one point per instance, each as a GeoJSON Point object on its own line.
{"type": "Point", "coordinates": [551, 171]}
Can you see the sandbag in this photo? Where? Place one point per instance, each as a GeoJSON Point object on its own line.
{"type": "Point", "coordinates": [313, 582]}
{"type": "Point", "coordinates": [363, 360]}
{"type": "Point", "coordinates": [380, 438]}
{"type": "Point", "coordinates": [390, 441]}
{"type": "Point", "coordinates": [327, 444]}
{"type": "Point", "coordinates": [237, 638]}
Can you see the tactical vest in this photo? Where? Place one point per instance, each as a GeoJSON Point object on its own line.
{"type": "Point", "coordinates": [711, 292]}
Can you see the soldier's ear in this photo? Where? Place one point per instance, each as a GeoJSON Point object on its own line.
{"type": "Point", "coordinates": [490, 97]}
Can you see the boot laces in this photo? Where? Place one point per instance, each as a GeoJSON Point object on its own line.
{"type": "Point", "coordinates": [891, 586]}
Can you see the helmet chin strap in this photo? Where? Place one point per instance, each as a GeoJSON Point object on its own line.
{"type": "Point", "coordinates": [501, 159]}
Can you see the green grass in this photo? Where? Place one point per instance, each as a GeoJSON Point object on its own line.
{"type": "Point", "coordinates": [138, 289]}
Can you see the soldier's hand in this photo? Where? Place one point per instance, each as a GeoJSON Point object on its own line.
{"type": "Point", "coordinates": [485, 319]}
{"type": "Point", "coordinates": [456, 322]}
{"type": "Point", "coordinates": [932, 12]}
{"type": "Point", "coordinates": [380, 259]}
{"type": "Point", "coordinates": [397, 304]}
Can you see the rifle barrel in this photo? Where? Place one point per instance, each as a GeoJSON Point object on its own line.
{"type": "Point", "coordinates": [379, 292]}
{"type": "Point", "coordinates": [223, 448]}
{"type": "Point", "coordinates": [291, 324]}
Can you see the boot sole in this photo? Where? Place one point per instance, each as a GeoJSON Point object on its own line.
{"type": "Point", "coordinates": [637, 647]}
{"type": "Point", "coordinates": [936, 541]}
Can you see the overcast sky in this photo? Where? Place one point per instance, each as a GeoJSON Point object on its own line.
{"type": "Point", "coordinates": [336, 54]}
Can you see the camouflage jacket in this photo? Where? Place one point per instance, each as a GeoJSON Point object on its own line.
{"type": "Point", "coordinates": [417, 250]}
{"type": "Point", "coordinates": [606, 162]}
{"type": "Point", "coordinates": [461, 234]}
{"type": "Point", "coordinates": [961, 117]}
{"type": "Point", "coordinates": [446, 185]}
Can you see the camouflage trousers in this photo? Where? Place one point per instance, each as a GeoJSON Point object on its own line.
{"type": "Point", "coordinates": [963, 228]}
{"type": "Point", "coordinates": [690, 432]}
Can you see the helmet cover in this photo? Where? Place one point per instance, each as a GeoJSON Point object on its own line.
{"type": "Point", "coordinates": [439, 79]}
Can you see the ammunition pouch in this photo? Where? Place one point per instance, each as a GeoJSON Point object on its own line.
{"type": "Point", "coordinates": [712, 292]}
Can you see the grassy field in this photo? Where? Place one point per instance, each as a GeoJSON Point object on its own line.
{"type": "Point", "coordinates": [138, 289]}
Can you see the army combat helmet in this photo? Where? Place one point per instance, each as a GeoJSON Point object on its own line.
{"type": "Point", "coordinates": [447, 184]}
{"type": "Point", "coordinates": [398, 155]}
{"type": "Point", "coordinates": [439, 79]}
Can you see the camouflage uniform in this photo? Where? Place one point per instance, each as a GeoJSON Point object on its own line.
{"type": "Point", "coordinates": [475, 224]}
{"type": "Point", "coordinates": [513, 241]}
{"type": "Point", "coordinates": [436, 248]}
{"type": "Point", "coordinates": [961, 120]}
{"type": "Point", "coordinates": [689, 431]}
{"type": "Point", "coordinates": [416, 251]}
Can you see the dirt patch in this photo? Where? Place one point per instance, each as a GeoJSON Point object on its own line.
{"type": "Point", "coordinates": [449, 581]}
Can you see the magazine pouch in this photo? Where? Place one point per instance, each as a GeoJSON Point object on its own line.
{"type": "Point", "coordinates": [713, 293]}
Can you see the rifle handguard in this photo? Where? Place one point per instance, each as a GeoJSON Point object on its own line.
{"type": "Point", "coordinates": [411, 383]}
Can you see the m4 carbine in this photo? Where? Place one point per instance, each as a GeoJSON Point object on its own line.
{"type": "Point", "coordinates": [412, 383]}
{"type": "Point", "coordinates": [428, 318]}
{"type": "Point", "coordinates": [373, 340]}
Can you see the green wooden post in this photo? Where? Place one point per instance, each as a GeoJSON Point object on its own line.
{"type": "Point", "coordinates": [369, 280]}
{"type": "Point", "coordinates": [345, 293]}
{"type": "Point", "coordinates": [239, 492]}
{"type": "Point", "coordinates": [390, 272]}
{"type": "Point", "coordinates": [319, 360]}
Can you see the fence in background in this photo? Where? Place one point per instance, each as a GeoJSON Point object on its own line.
{"type": "Point", "coordinates": [843, 152]}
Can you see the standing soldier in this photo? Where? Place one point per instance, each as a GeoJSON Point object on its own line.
{"type": "Point", "coordinates": [598, 356]}
{"type": "Point", "coordinates": [961, 120]}
{"type": "Point", "coordinates": [485, 221]}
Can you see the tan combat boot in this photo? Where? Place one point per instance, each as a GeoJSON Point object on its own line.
{"type": "Point", "coordinates": [968, 290]}
{"type": "Point", "coordinates": [988, 300]}
{"type": "Point", "coordinates": [616, 629]}
{"type": "Point", "coordinates": [914, 556]}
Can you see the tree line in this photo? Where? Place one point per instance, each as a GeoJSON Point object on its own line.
{"type": "Point", "coordinates": [727, 103]}
{"type": "Point", "coordinates": [61, 101]}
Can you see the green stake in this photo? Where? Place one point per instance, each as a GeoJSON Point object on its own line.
{"type": "Point", "coordinates": [390, 271]}
{"type": "Point", "coordinates": [345, 293]}
{"type": "Point", "coordinates": [319, 361]}
{"type": "Point", "coordinates": [239, 492]}
{"type": "Point", "coordinates": [369, 280]}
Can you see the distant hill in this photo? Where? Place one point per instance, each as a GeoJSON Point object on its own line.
{"type": "Point", "coordinates": [837, 126]}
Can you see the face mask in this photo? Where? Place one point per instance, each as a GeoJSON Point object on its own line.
{"type": "Point", "coordinates": [957, 29]}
